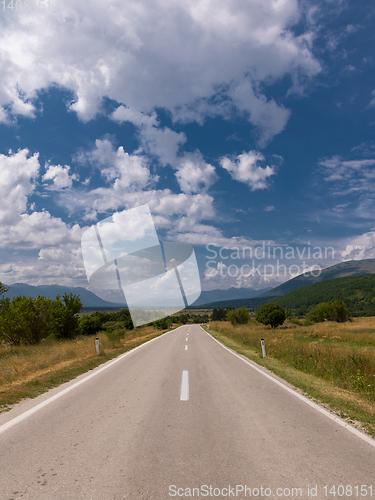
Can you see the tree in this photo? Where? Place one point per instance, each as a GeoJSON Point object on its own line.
{"type": "Point", "coordinates": [25, 319]}
{"type": "Point", "coordinates": [219, 314]}
{"type": "Point", "coordinates": [271, 314]}
{"type": "Point", "coordinates": [183, 319]}
{"type": "Point", "coordinates": [65, 323]}
{"type": "Point", "coordinates": [162, 324]}
{"type": "Point", "coordinates": [90, 324]}
{"type": "Point", "coordinates": [124, 316]}
{"type": "Point", "coordinates": [238, 316]}
{"type": "Point", "coordinates": [3, 288]}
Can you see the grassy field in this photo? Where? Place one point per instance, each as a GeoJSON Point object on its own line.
{"type": "Point", "coordinates": [333, 363]}
{"type": "Point", "coordinates": [330, 362]}
{"type": "Point", "coordinates": [27, 371]}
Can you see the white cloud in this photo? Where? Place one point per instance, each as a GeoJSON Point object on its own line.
{"type": "Point", "coordinates": [124, 114]}
{"type": "Point", "coordinates": [360, 247]}
{"type": "Point", "coordinates": [161, 142]}
{"type": "Point", "coordinates": [349, 176]}
{"type": "Point", "coordinates": [269, 118]}
{"type": "Point", "coordinates": [60, 177]}
{"type": "Point", "coordinates": [40, 232]}
{"type": "Point", "coordinates": [194, 174]}
{"type": "Point", "coordinates": [18, 172]}
{"type": "Point", "coordinates": [168, 54]}
{"type": "Point", "coordinates": [129, 172]}
{"type": "Point", "coordinates": [247, 170]}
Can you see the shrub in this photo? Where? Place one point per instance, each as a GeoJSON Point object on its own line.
{"type": "Point", "coordinates": [271, 314]}
{"type": "Point", "coordinates": [219, 314]}
{"type": "Point", "coordinates": [90, 324]}
{"type": "Point", "coordinates": [162, 324]}
{"type": "Point", "coordinates": [331, 311]}
{"type": "Point", "coordinates": [238, 316]}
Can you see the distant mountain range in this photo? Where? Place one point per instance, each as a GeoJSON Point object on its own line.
{"type": "Point", "coordinates": [344, 269]}
{"type": "Point", "coordinates": [228, 294]}
{"type": "Point", "coordinates": [88, 299]}
{"type": "Point", "coordinates": [232, 297]}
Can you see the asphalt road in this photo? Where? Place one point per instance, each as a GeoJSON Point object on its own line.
{"type": "Point", "coordinates": [165, 419]}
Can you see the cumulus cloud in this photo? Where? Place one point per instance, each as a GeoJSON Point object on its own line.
{"type": "Point", "coordinates": [127, 172]}
{"type": "Point", "coordinates": [18, 173]}
{"type": "Point", "coordinates": [21, 225]}
{"type": "Point", "coordinates": [180, 56]}
{"type": "Point", "coordinates": [194, 174]}
{"type": "Point", "coordinates": [360, 247]}
{"type": "Point", "coordinates": [245, 168]}
{"type": "Point", "coordinates": [60, 177]}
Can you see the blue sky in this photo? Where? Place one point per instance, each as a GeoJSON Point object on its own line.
{"type": "Point", "coordinates": [241, 124]}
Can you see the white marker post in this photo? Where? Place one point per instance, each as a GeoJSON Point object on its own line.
{"type": "Point", "coordinates": [97, 345]}
{"type": "Point", "coordinates": [263, 348]}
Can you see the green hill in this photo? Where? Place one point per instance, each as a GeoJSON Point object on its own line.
{"type": "Point", "coordinates": [358, 294]}
{"type": "Point", "coordinates": [347, 268]}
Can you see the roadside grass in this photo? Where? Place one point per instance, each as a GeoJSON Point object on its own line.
{"type": "Point", "coordinates": [330, 362]}
{"type": "Point", "coordinates": [27, 371]}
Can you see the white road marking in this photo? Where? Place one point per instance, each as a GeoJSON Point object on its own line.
{"type": "Point", "coordinates": [187, 339]}
{"type": "Point", "coordinates": [318, 408]}
{"type": "Point", "coordinates": [184, 386]}
{"type": "Point", "coordinates": [33, 410]}
{"type": "Point", "coordinates": [186, 348]}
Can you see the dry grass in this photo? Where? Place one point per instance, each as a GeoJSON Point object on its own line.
{"type": "Point", "coordinates": [26, 371]}
{"type": "Point", "coordinates": [343, 354]}
{"type": "Point", "coordinates": [332, 362]}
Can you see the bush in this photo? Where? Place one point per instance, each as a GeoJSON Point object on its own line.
{"type": "Point", "coordinates": [28, 320]}
{"type": "Point", "coordinates": [271, 314]}
{"type": "Point", "coordinates": [182, 319]}
{"type": "Point", "coordinates": [91, 324]}
{"type": "Point", "coordinates": [163, 323]}
{"type": "Point", "coordinates": [331, 311]}
{"type": "Point", "coordinates": [238, 316]}
{"type": "Point", "coordinates": [115, 335]}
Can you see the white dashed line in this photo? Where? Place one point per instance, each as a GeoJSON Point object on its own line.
{"type": "Point", "coordinates": [184, 386]}
{"type": "Point", "coordinates": [186, 348]}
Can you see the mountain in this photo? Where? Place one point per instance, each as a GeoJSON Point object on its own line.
{"type": "Point", "coordinates": [88, 298]}
{"type": "Point", "coordinates": [349, 268]}
{"type": "Point", "coordinates": [357, 292]}
{"type": "Point", "coordinates": [230, 293]}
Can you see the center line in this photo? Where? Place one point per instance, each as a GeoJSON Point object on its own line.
{"type": "Point", "coordinates": [186, 348]}
{"type": "Point", "coordinates": [186, 339]}
{"type": "Point", "coordinates": [184, 386]}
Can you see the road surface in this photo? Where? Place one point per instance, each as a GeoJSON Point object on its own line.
{"type": "Point", "coordinates": [178, 413]}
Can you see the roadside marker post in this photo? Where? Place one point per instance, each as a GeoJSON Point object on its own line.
{"type": "Point", "coordinates": [97, 345]}
{"type": "Point", "coordinates": [263, 348]}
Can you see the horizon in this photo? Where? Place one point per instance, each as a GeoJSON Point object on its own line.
{"type": "Point", "coordinates": [250, 125]}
